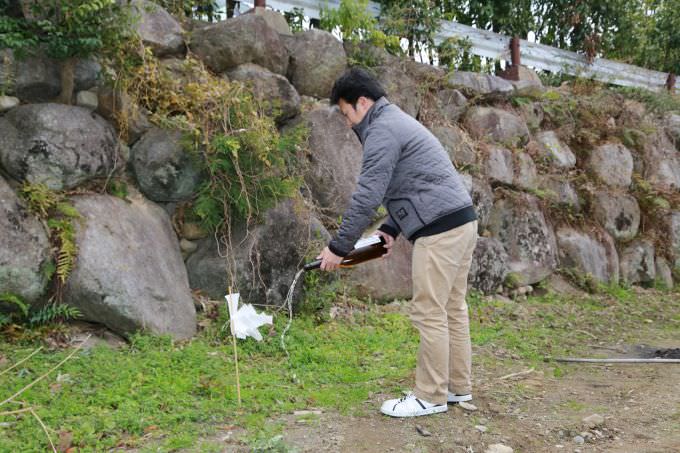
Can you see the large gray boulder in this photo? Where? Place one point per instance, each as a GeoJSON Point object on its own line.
{"type": "Point", "coordinates": [532, 113]}
{"type": "Point", "coordinates": [637, 262]}
{"type": "Point", "coordinates": [480, 83]}
{"type": "Point", "coordinates": [165, 170]}
{"type": "Point", "coordinates": [401, 88]}
{"type": "Point", "coordinates": [519, 224]}
{"type": "Point", "coordinates": [496, 124]}
{"type": "Point", "coordinates": [673, 128]}
{"type": "Point", "coordinates": [385, 279]}
{"type": "Point", "coordinates": [587, 255]}
{"type": "Point", "coordinates": [451, 104]}
{"type": "Point", "coordinates": [262, 261]}
{"type": "Point", "coordinates": [664, 273]}
{"type": "Point", "coordinates": [38, 78]}
{"type": "Point", "coordinates": [526, 74]}
{"type": "Point", "coordinates": [612, 163]}
{"type": "Point", "coordinates": [500, 167]}
{"type": "Point", "coordinates": [618, 213]}
{"type": "Point", "coordinates": [57, 145]}
{"type": "Point", "coordinates": [275, 19]}
{"type": "Point", "coordinates": [662, 162]}
{"type": "Point", "coordinates": [525, 177]}
{"type": "Point", "coordinates": [334, 161]}
{"type": "Point", "coordinates": [243, 39]}
{"type": "Point", "coordinates": [458, 145]}
{"type": "Point", "coordinates": [369, 54]}
{"type": "Point", "coordinates": [482, 200]}
{"type": "Point", "coordinates": [559, 190]}
{"type": "Point", "coordinates": [158, 29]}
{"type": "Point", "coordinates": [24, 249]}
{"type": "Point", "coordinates": [129, 274]}
{"type": "Point", "coordinates": [489, 266]}
{"type": "Point", "coordinates": [555, 152]}
{"type": "Point", "coordinates": [425, 74]}
{"type": "Point", "coordinates": [274, 91]}
{"type": "Point", "coordinates": [672, 226]}
{"type": "Point", "coordinates": [317, 59]}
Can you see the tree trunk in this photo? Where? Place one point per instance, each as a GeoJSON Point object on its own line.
{"type": "Point", "coordinates": [68, 69]}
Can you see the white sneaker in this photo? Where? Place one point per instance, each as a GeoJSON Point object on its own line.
{"type": "Point", "coordinates": [410, 406]}
{"type": "Point", "coordinates": [454, 398]}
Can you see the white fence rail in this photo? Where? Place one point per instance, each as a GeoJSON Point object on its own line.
{"type": "Point", "coordinates": [495, 46]}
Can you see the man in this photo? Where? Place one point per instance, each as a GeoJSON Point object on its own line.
{"type": "Point", "coordinates": [406, 169]}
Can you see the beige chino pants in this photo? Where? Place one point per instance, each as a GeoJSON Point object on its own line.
{"type": "Point", "coordinates": [439, 311]}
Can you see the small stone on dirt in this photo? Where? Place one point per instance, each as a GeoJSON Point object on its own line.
{"type": "Point", "coordinates": [422, 431]}
{"type": "Point", "coordinates": [579, 440]}
{"type": "Point", "coordinates": [498, 448]}
{"type": "Point", "coordinates": [468, 406]}
{"type": "Point", "coordinates": [307, 412]}
{"type": "Point", "coordinates": [481, 428]}
{"type": "Point", "coordinates": [593, 421]}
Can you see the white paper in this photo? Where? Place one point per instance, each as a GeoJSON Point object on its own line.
{"type": "Point", "coordinates": [245, 320]}
{"type": "Point", "coordinates": [363, 242]}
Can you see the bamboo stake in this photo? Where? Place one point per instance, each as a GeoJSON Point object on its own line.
{"type": "Point", "coordinates": [18, 411]}
{"type": "Point", "coordinates": [521, 373]}
{"type": "Point", "coordinates": [21, 361]}
{"type": "Point", "coordinates": [233, 339]}
{"type": "Point", "coordinates": [44, 429]}
{"type": "Point", "coordinates": [46, 374]}
{"type": "Point", "coordinates": [569, 359]}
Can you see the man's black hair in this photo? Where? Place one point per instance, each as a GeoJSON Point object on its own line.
{"type": "Point", "coordinates": [353, 84]}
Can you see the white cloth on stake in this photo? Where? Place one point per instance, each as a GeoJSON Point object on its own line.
{"type": "Point", "coordinates": [245, 320]}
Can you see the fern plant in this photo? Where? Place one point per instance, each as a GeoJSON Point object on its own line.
{"type": "Point", "coordinates": [18, 309]}
{"type": "Point", "coordinates": [59, 214]}
{"type": "Point", "coordinates": [15, 301]}
{"type": "Point", "coordinates": [23, 314]}
{"type": "Point", "coordinates": [40, 198]}
{"type": "Point", "coordinates": [54, 313]}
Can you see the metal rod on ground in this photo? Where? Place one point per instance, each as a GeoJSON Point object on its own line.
{"type": "Point", "coordinates": [233, 339]}
{"type": "Point", "coordinates": [569, 359]}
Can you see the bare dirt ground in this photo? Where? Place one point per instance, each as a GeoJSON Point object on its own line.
{"type": "Point", "coordinates": [529, 408]}
{"type": "Point", "coordinates": [531, 412]}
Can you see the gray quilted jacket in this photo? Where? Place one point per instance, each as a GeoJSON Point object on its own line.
{"type": "Point", "coordinates": [406, 169]}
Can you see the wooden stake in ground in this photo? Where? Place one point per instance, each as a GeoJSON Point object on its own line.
{"type": "Point", "coordinates": [233, 339]}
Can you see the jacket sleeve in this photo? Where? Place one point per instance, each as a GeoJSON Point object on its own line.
{"type": "Point", "coordinates": [390, 227]}
{"type": "Point", "coordinates": [381, 153]}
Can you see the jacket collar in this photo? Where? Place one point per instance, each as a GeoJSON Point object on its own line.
{"type": "Point", "coordinates": [374, 112]}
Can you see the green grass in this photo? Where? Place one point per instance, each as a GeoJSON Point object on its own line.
{"type": "Point", "coordinates": [159, 395]}
{"type": "Point", "coordinates": [183, 391]}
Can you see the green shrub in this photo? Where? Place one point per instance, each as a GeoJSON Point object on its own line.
{"type": "Point", "coordinates": [355, 24]}
{"type": "Point", "coordinates": [250, 166]}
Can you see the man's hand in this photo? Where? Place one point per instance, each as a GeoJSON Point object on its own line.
{"type": "Point", "coordinates": [329, 260]}
{"type": "Point", "coordinates": [389, 242]}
